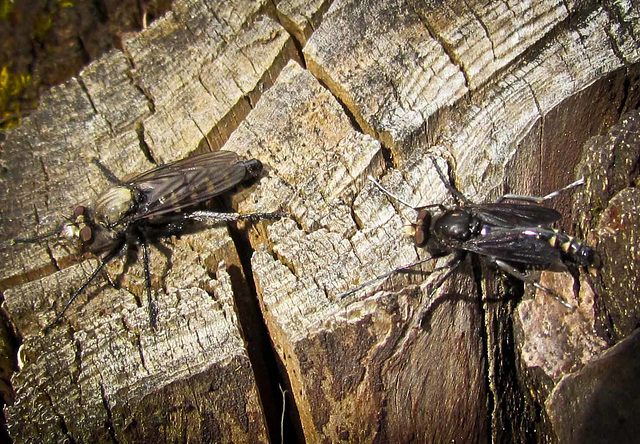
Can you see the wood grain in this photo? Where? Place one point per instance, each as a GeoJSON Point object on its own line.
{"type": "Point", "coordinates": [503, 99]}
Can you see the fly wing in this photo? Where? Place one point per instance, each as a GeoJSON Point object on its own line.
{"type": "Point", "coordinates": [525, 245]}
{"type": "Point", "coordinates": [511, 215]}
{"type": "Point", "coordinates": [186, 182]}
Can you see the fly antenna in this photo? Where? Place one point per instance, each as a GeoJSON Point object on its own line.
{"type": "Point", "coordinates": [36, 239]}
{"type": "Point", "coordinates": [389, 193]}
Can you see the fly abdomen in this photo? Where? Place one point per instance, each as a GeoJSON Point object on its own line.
{"type": "Point", "coordinates": [253, 168]}
{"type": "Point", "coordinates": [572, 248]}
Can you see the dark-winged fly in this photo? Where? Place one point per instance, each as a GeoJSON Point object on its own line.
{"type": "Point", "coordinates": [153, 204]}
{"type": "Point", "coordinates": [510, 236]}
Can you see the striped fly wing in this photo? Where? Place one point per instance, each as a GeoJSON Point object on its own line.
{"type": "Point", "coordinates": [525, 245]}
{"type": "Point", "coordinates": [186, 182]}
{"type": "Point", "coordinates": [511, 215]}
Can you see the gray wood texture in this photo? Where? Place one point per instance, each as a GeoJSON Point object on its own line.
{"type": "Point", "coordinates": [505, 99]}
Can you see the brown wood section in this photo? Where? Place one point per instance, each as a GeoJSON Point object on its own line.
{"type": "Point", "coordinates": [521, 99]}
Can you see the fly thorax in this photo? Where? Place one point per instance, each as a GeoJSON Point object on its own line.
{"type": "Point", "coordinates": [113, 205]}
{"type": "Point", "coordinates": [454, 225]}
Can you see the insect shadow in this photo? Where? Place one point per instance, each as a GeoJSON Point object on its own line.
{"type": "Point", "coordinates": [512, 237]}
{"type": "Point", "coordinates": [161, 202]}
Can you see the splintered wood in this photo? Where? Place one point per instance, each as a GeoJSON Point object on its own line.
{"type": "Point", "coordinates": [108, 354]}
{"type": "Point", "coordinates": [334, 240]}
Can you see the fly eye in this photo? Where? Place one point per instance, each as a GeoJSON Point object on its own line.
{"type": "Point", "coordinates": [79, 211]}
{"type": "Point", "coordinates": [421, 236]}
{"type": "Point", "coordinates": [422, 226]}
{"type": "Point", "coordinates": [85, 234]}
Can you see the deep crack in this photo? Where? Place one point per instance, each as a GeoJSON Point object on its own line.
{"type": "Point", "coordinates": [269, 372]}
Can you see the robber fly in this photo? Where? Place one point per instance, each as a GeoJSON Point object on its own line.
{"type": "Point", "coordinates": [507, 235]}
{"type": "Point", "coordinates": [156, 203]}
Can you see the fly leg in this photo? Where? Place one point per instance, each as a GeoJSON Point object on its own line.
{"type": "Point", "coordinates": [151, 304]}
{"type": "Point", "coordinates": [401, 200]}
{"type": "Point", "coordinates": [405, 268]}
{"type": "Point", "coordinates": [511, 270]}
{"type": "Point", "coordinates": [107, 173]}
{"type": "Point", "coordinates": [450, 266]}
{"type": "Point", "coordinates": [214, 217]}
{"type": "Point", "coordinates": [113, 253]}
{"type": "Point", "coordinates": [543, 198]}
{"type": "Point", "coordinates": [457, 195]}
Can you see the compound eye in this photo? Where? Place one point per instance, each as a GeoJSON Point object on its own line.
{"type": "Point", "coordinates": [79, 211]}
{"type": "Point", "coordinates": [86, 234]}
{"type": "Point", "coordinates": [421, 237]}
{"type": "Point", "coordinates": [422, 226]}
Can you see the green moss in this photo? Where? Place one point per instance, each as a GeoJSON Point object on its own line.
{"type": "Point", "coordinates": [66, 3]}
{"type": "Point", "coordinates": [41, 26]}
{"type": "Point", "coordinates": [6, 8]}
{"type": "Point", "coordinates": [11, 87]}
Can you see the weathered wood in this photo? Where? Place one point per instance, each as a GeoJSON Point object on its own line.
{"type": "Point", "coordinates": [103, 374]}
{"type": "Point", "coordinates": [522, 130]}
{"type": "Point", "coordinates": [597, 404]}
{"type": "Point", "coordinates": [506, 97]}
{"type": "Point", "coordinates": [107, 375]}
{"type": "Point", "coordinates": [585, 391]}
{"type": "Point", "coordinates": [612, 194]}
{"type": "Point", "coordinates": [301, 17]}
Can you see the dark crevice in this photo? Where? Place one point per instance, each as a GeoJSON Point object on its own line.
{"type": "Point", "coordinates": [484, 27]}
{"type": "Point", "coordinates": [61, 422]}
{"type": "Point", "coordinates": [387, 155]}
{"type": "Point", "coordinates": [476, 269]}
{"type": "Point", "coordinates": [136, 81]}
{"type": "Point", "coordinates": [109, 421]}
{"type": "Point", "coordinates": [352, 212]}
{"type": "Point", "coordinates": [269, 372]}
{"type": "Point", "coordinates": [143, 144]}
{"type": "Point", "coordinates": [83, 51]}
{"type": "Point", "coordinates": [47, 180]}
{"type": "Point", "coordinates": [614, 17]}
{"type": "Point", "coordinates": [512, 415]}
{"type": "Point", "coordinates": [84, 88]}
{"type": "Point", "coordinates": [138, 342]}
{"type": "Point", "coordinates": [52, 257]}
{"type": "Point", "coordinates": [270, 10]}
{"type": "Point", "coordinates": [12, 341]}
{"type": "Point", "coordinates": [101, 11]}
{"type": "Point", "coordinates": [449, 51]}
{"type": "Point", "coordinates": [627, 86]}
{"type": "Point", "coordinates": [77, 369]}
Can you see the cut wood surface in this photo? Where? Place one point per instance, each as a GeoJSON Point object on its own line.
{"type": "Point", "coordinates": [504, 100]}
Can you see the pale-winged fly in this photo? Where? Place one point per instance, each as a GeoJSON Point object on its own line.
{"type": "Point", "coordinates": [156, 203]}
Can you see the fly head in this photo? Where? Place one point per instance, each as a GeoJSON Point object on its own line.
{"type": "Point", "coordinates": [91, 236]}
{"type": "Point", "coordinates": [587, 256]}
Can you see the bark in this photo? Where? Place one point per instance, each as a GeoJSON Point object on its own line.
{"type": "Point", "coordinates": [505, 100]}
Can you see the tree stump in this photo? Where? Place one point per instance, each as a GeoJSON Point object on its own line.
{"type": "Point", "coordinates": [506, 100]}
